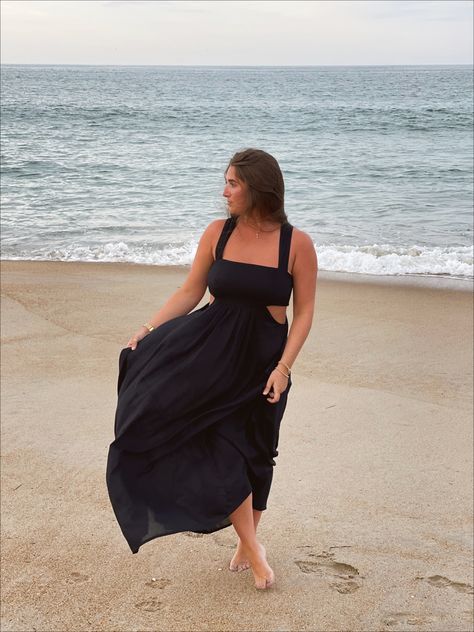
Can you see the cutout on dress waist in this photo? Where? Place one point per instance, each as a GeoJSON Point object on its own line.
{"type": "Point", "coordinates": [270, 314]}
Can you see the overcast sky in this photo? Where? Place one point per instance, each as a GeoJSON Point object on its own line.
{"type": "Point", "coordinates": [236, 33]}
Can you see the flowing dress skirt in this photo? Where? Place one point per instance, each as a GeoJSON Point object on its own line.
{"type": "Point", "coordinates": [194, 435]}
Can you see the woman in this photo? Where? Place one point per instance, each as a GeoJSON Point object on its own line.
{"type": "Point", "coordinates": [201, 393]}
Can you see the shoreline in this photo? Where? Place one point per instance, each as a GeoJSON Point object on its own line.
{"type": "Point", "coordinates": [404, 280]}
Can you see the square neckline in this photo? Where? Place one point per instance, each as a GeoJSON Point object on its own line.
{"type": "Point", "coordinates": [255, 265]}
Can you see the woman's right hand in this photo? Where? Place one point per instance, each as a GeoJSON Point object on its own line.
{"type": "Point", "coordinates": [139, 335]}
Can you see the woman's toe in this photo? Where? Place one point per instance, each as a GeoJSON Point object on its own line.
{"type": "Point", "coordinates": [264, 582]}
{"type": "Point", "coordinates": [260, 583]}
{"type": "Point", "coordinates": [270, 582]}
{"type": "Point", "coordinates": [236, 567]}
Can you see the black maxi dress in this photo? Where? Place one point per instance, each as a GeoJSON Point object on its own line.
{"type": "Point", "coordinates": [194, 434]}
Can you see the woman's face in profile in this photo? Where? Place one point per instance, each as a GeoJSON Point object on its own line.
{"type": "Point", "coordinates": [235, 192]}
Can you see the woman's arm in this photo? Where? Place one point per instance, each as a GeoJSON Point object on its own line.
{"type": "Point", "coordinates": [305, 271]}
{"type": "Point", "coordinates": [194, 287]}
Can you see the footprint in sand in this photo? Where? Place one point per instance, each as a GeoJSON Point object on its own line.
{"type": "Point", "coordinates": [77, 578]}
{"type": "Point", "coordinates": [149, 605]}
{"type": "Point", "coordinates": [341, 576]}
{"type": "Point", "coordinates": [406, 619]}
{"type": "Point", "coordinates": [443, 582]}
{"type": "Point", "coordinates": [159, 582]}
{"type": "Point", "coordinates": [191, 534]}
{"type": "Point", "coordinates": [224, 540]}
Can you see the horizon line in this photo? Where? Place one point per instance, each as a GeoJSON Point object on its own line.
{"type": "Point", "coordinates": [229, 65]}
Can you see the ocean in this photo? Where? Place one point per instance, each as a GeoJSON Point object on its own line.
{"type": "Point", "coordinates": [126, 163]}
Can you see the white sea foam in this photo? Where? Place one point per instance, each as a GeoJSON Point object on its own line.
{"type": "Point", "coordinates": [376, 259]}
{"type": "Point", "coordinates": [388, 260]}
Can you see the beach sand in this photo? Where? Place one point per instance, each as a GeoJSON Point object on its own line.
{"type": "Point", "coordinates": [369, 520]}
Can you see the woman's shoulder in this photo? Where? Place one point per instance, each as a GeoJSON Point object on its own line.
{"type": "Point", "coordinates": [301, 248]}
{"type": "Point", "coordinates": [217, 224]}
{"type": "Point", "coordinates": [300, 238]}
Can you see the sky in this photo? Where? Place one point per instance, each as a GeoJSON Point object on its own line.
{"type": "Point", "coordinates": [237, 33]}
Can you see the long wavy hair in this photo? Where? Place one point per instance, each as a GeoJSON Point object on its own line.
{"type": "Point", "coordinates": [266, 188]}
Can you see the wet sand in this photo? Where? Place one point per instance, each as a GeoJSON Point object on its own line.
{"type": "Point", "coordinates": [369, 520]}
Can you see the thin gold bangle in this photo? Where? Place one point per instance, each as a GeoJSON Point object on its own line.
{"type": "Point", "coordinates": [286, 367]}
{"type": "Point", "coordinates": [148, 326]}
{"type": "Point", "coordinates": [282, 372]}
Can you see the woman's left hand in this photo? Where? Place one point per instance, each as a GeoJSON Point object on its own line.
{"type": "Point", "coordinates": [278, 383]}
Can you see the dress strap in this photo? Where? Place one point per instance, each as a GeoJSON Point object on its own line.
{"type": "Point", "coordinates": [286, 232]}
{"type": "Point", "coordinates": [227, 228]}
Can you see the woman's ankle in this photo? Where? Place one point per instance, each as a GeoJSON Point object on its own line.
{"type": "Point", "coordinates": [252, 548]}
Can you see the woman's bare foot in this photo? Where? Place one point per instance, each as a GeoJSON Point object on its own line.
{"type": "Point", "coordinates": [240, 560]}
{"type": "Point", "coordinates": [262, 572]}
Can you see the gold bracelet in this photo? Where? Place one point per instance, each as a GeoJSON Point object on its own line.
{"type": "Point", "coordinates": [286, 367]}
{"type": "Point", "coordinates": [148, 326]}
{"type": "Point", "coordinates": [282, 372]}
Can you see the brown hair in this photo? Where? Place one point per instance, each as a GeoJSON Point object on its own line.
{"type": "Point", "coordinates": [266, 188]}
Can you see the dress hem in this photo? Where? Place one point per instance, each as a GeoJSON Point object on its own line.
{"type": "Point", "coordinates": [135, 550]}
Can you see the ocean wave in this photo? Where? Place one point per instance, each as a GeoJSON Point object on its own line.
{"type": "Point", "coordinates": [376, 259]}
{"type": "Point", "coordinates": [385, 259]}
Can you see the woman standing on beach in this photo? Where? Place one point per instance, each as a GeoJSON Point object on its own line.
{"type": "Point", "coordinates": [201, 394]}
